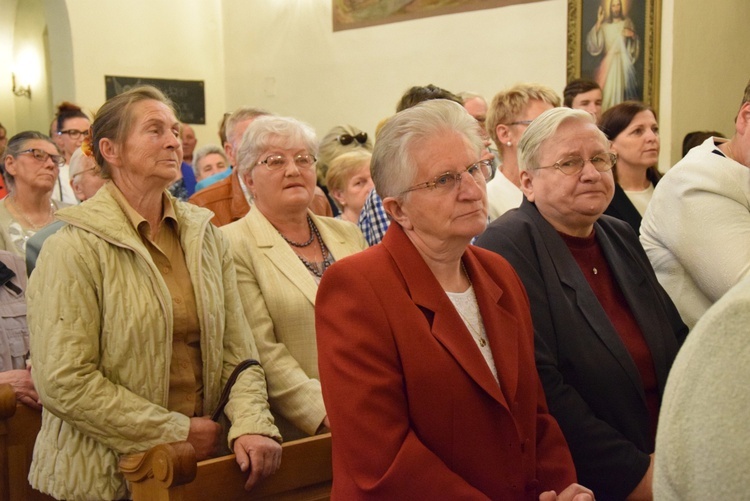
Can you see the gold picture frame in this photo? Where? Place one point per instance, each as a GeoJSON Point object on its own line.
{"type": "Point", "coordinates": [350, 14]}
{"type": "Point", "coordinates": [610, 56]}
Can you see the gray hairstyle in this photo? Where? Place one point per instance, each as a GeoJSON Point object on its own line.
{"type": "Point", "coordinates": [16, 145]}
{"type": "Point", "coordinates": [393, 166]}
{"type": "Point", "coordinates": [240, 115]}
{"type": "Point", "coordinates": [203, 152]}
{"type": "Point", "coordinates": [269, 130]}
{"type": "Point", "coordinates": [544, 127]}
{"type": "Point", "coordinates": [79, 162]}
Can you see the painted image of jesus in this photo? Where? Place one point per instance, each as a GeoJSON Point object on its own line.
{"type": "Point", "coordinates": [615, 37]}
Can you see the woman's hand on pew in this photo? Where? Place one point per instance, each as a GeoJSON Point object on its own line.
{"type": "Point", "coordinates": [574, 492]}
{"type": "Point", "coordinates": [261, 455]}
{"type": "Point", "coordinates": [204, 437]}
{"type": "Point", "coordinates": [20, 380]}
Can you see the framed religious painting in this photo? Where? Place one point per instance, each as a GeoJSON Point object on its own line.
{"type": "Point", "coordinates": [616, 43]}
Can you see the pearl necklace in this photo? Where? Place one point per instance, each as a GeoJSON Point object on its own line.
{"type": "Point", "coordinates": [29, 224]}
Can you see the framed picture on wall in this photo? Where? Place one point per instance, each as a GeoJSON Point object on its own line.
{"type": "Point", "coordinates": [616, 43]}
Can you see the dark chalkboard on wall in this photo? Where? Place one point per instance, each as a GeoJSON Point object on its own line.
{"type": "Point", "coordinates": [189, 96]}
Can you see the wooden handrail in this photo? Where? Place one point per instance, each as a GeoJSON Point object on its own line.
{"type": "Point", "coordinates": [170, 472]}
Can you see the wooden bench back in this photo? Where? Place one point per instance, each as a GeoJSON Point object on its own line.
{"type": "Point", "coordinates": [19, 426]}
{"type": "Point", "coordinates": [170, 472]}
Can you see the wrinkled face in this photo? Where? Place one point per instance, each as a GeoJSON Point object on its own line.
{"type": "Point", "coordinates": [66, 141]}
{"type": "Point", "coordinates": [570, 203]}
{"type": "Point", "coordinates": [637, 146]}
{"type": "Point", "coordinates": [532, 110]}
{"type": "Point", "coordinates": [478, 109]}
{"type": "Point", "coordinates": [30, 173]}
{"type": "Point", "coordinates": [590, 101]}
{"type": "Point", "coordinates": [432, 215]}
{"type": "Point", "coordinates": [211, 164]}
{"type": "Point", "coordinates": [356, 189]}
{"type": "Point", "coordinates": [152, 150]}
{"type": "Point", "coordinates": [234, 139]}
{"type": "Point", "coordinates": [287, 190]}
{"type": "Point", "coordinates": [187, 134]}
{"type": "Point", "coordinates": [85, 179]}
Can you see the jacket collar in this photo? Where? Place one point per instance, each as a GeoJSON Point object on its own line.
{"type": "Point", "coordinates": [103, 216]}
{"type": "Point", "coordinates": [627, 272]}
{"type": "Point", "coordinates": [446, 324]}
{"type": "Point", "coordinates": [238, 205]}
{"type": "Point", "coordinates": [281, 255]}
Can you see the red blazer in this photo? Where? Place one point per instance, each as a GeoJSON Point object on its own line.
{"type": "Point", "coordinates": [414, 409]}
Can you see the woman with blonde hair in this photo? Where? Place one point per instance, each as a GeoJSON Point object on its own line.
{"type": "Point", "coordinates": [349, 181]}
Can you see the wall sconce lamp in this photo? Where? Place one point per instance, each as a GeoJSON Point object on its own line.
{"type": "Point", "coordinates": [21, 90]}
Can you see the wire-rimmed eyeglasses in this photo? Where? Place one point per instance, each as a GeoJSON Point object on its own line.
{"type": "Point", "coordinates": [480, 171]}
{"type": "Point", "coordinates": [276, 162]}
{"type": "Point", "coordinates": [573, 165]}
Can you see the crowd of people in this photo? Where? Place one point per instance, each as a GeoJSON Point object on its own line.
{"type": "Point", "coordinates": [497, 296]}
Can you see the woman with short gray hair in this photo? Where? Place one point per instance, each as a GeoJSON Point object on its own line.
{"type": "Point", "coordinates": [426, 343]}
{"type": "Point", "coordinates": [32, 165]}
{"type": "Point", "coordinates": [281, 250]}
{"type": "Point", "coordinates": [606, 331]}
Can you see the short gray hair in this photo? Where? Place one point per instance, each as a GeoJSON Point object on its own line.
{"type": "Point", "coordinates": [544, 127]}
{"type": "Point", "coordinates": [393, 167]}
{"type": "Point", "coordinates": [79, 162]}
{"type": "Point", "coordinates": [16, 145]}
{"type": "Point", "coordinates": [240, 115]}
{"type": "Point", "coordinates": [268, 129]}
{"type": "Point", "coordinates": [204, 152]}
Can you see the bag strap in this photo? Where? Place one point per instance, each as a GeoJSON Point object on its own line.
{"type": "Point", "coordinates": [224, 399]}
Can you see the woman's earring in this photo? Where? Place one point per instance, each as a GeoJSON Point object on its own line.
{"type": "Point", "coordinates": [509, 144]}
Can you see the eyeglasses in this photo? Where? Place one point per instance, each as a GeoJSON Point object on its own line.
{"type": "Point", "coordinates": [74, 134]}
{"type": "Point", "coordinates": [42, 156]}
{"type": "Point", "coordinates": [573, 165]}
{"type": "Point", "coordinates": [444, 183]}
{"type": "Point", "coordinates": [345, 139]}
{"type": "Point", "coordinates": [521, 122]}
{"type": "Point", "coordinates": [90, 169]}
{"type": "Point", "coordinates": [276, 162]}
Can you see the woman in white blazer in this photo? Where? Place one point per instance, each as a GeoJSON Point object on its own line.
{"type": "Point", "coordinates": [281, 251]}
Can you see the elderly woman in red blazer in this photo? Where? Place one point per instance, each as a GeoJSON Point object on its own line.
{"type": "Point", "coordinates": [425, 344]}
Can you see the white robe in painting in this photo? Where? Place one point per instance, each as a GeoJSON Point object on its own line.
{"type": "Point", "coordinates": [616, 72]}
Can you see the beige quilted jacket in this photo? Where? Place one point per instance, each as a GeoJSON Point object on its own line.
{"type": "Point", "coordinates": [100, 318]}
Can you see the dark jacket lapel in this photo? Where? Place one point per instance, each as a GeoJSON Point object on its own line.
{"type": "Point", "coordinates": [570, 276]}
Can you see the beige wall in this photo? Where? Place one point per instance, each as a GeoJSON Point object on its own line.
{"type": "Point", "coordinates": [711, 66]}
{"type": "Point", "coordinates": [283, 55]}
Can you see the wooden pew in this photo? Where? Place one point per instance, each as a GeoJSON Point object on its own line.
{"type": "Point", "coordinates": [19, 426]}
{"type": "Point", "coordinates": [170, 472]}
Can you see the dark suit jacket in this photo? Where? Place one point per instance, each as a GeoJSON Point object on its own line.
{"type": "Point", "coordinates": [415, 411]}
{"type": "Point", "coordinates": [592, 384]}
{"type": "Point", "coordinates": [622, 208]}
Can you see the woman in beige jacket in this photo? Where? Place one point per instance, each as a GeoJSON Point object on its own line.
{"type": "Point", "coordinates": [281, 249]}
{"type": "Point", "coordinates": [135, 322]}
